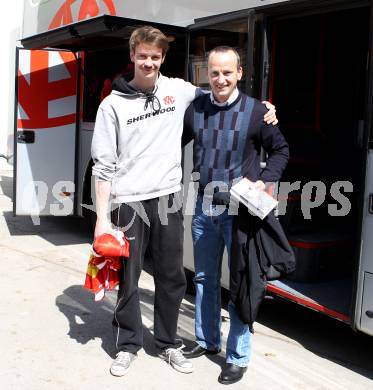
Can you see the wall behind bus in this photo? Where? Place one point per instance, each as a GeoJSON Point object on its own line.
{"type": "Point", "coordinates": [10, 32]}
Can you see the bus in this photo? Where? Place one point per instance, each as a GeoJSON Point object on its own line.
{"type": "Point", "coordinates": [311, 58]}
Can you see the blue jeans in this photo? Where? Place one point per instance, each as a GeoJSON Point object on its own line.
{"type": "Point", "coordinates": [212, 232]}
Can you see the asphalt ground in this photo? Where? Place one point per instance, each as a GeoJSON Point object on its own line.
{"type": "Point", "coordinates": [54, 336]}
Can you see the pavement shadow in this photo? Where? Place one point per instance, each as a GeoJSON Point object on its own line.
{"type": "Point", "coordinates": [89, 320]}
{"type": "Point", "coordinates": [322, 335]}
{"type": "Point", "coordinates": [56, 230]}
{"type": "Point", "coordinates": [6, 184]}
{"type": "Point", "coordinates": [75, 230]}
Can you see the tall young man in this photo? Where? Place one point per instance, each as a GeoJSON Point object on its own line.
{"type": "Point", "coordinates": [136, 149]}
{"type": "Point", "coordinates": [228, 131]}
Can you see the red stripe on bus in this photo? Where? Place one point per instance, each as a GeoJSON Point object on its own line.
{"type": "Point", "coordinates": [315, 245]}
{"type": "Point", "coordinates": [308, 303]}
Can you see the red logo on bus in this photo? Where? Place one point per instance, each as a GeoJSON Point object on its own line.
{"type": "Point", "coordinates": [88, 9]}
{"type": "Point", "coordinates": [36, 91]}
{"type": "Point", "coordinates": [169, 100]}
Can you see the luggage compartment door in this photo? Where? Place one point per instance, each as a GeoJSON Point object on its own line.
{"type": "Point", "coordinates": [45, 132]}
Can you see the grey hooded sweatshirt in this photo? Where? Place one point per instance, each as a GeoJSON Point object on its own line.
{"type": "Point", "coordinates": [137, 139]}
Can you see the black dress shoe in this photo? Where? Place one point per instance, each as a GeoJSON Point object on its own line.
{"type": "Point", "coordinates": [231, 373]}
{"type": "Point", "coordinates": [196, 351]}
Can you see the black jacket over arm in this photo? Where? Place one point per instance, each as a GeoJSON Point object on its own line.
{"type": "Point", "coordinates": [256, 245]}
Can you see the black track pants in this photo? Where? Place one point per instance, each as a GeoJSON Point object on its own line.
{"type": "Point", "coordinates": [163, 243]}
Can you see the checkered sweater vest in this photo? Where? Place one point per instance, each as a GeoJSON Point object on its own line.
{"type": "Point", "coordinates": [228, 140]}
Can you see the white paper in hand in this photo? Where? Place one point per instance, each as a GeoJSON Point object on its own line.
{"type": "Point", "coordinates": [259, 203]}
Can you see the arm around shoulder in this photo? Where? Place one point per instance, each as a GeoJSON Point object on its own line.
{"type": "Point", "coordinates": [274, 143]}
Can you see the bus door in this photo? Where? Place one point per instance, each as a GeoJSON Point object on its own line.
{"type": "Point", "coordinates": [45, 132]}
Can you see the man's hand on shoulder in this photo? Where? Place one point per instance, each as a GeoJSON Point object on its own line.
{"type": "Point", "coordinates": [270, 116]}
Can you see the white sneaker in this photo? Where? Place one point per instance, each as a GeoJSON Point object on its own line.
{"type": "Point", "coordinates": [176, 359]}
{"type": "Point", "coordinates": [122, 363]}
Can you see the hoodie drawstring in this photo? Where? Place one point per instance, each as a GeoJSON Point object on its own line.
{"type": "Point", "coordinates": [120, 84]}
{"type": "Point", "coordinates": [153, 100]}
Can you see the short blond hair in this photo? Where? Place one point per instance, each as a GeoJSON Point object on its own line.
{"type": "Point", "coordinates": [149, 35]}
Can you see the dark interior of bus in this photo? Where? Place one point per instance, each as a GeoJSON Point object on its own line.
{"type": "Point", "coordinates": [318, 84]}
